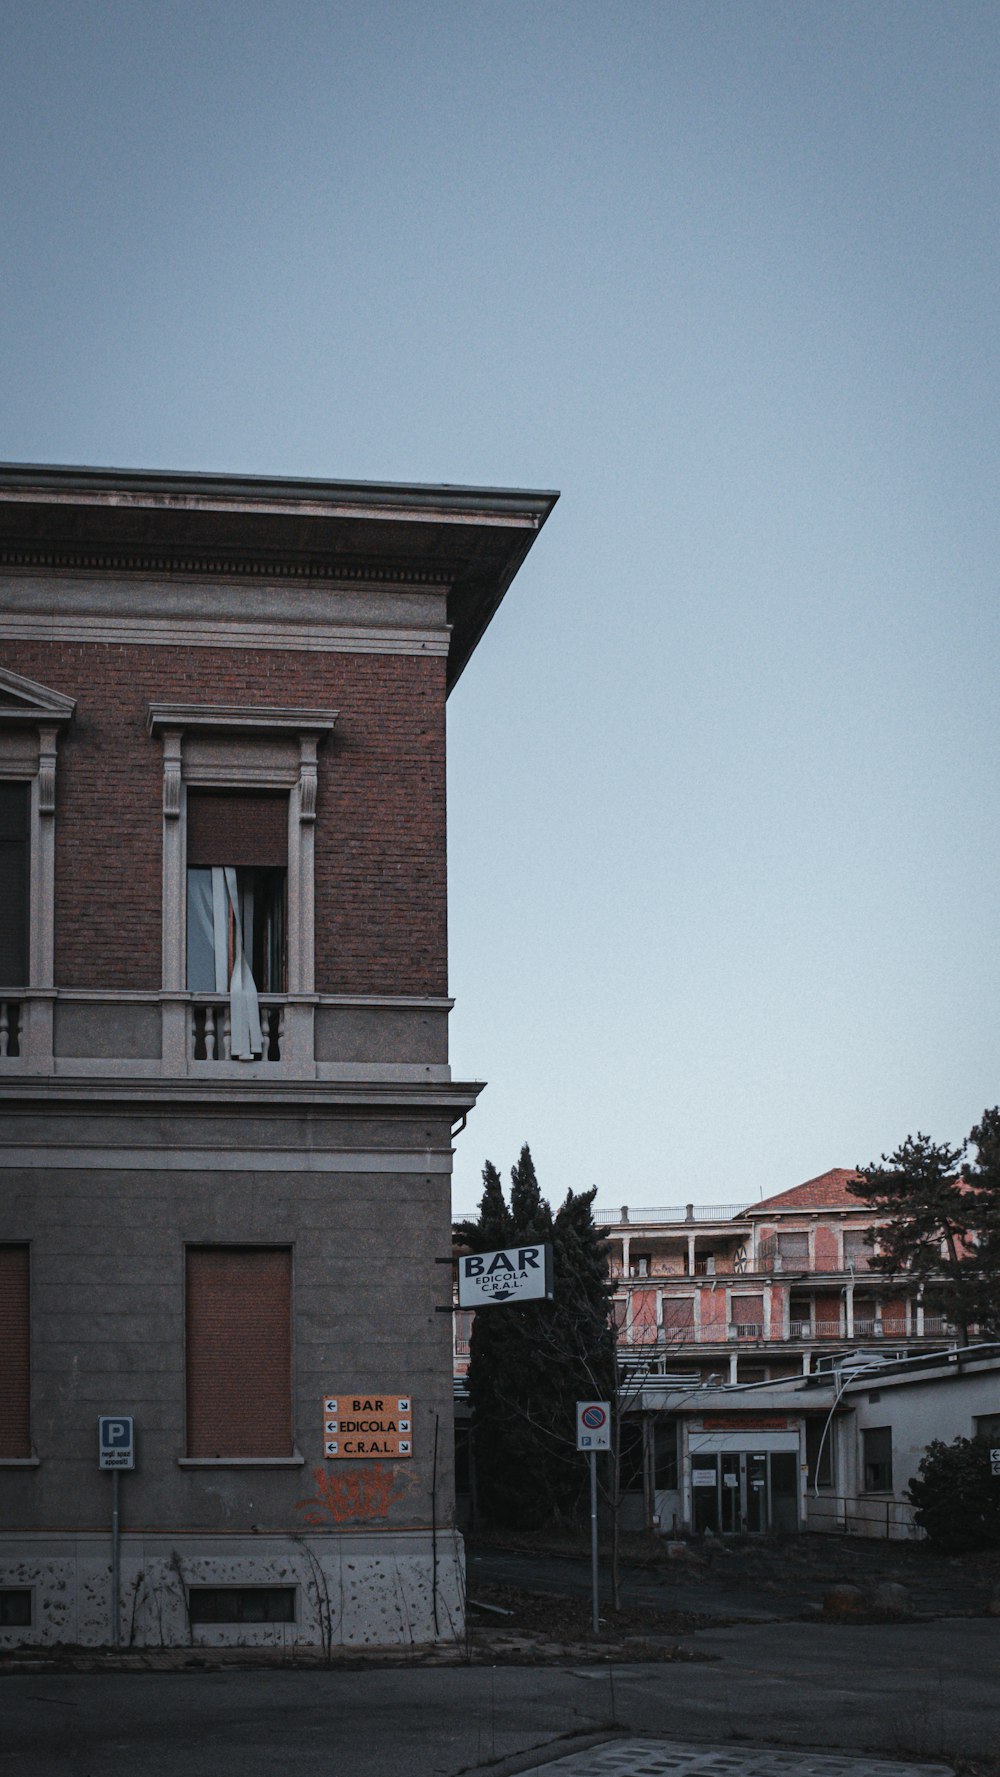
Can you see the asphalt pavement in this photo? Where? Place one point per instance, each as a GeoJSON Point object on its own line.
{"type": "Point", "coordinates": [926, 1691]}
{"type": "Point", "coordinates": [700, 1594]}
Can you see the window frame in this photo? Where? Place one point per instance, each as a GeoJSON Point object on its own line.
{"type": "Point", "coordinates": [31, 719]}
{"type": "Point", "coordinates": [870, 1465]}
{"type": "Point", "coordinates": [25, 1457]}
{"type": "Point", "coordinates": [230, 747]}
{"type": "Point", "coordinates": [293, 1458]}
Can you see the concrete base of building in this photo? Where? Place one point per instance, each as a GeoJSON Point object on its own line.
{"type": "Point", "coordinates": [363, 1589]}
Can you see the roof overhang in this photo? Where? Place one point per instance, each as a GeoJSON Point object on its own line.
{"type": "Point", "coordinates": [470, 540]}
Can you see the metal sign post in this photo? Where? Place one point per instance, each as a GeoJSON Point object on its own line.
{"type": "Point", "coordinates": [593, 1433]}
{"type": "Point", "coordinates": [595, 1591]}
{"type": "Point", "coordinates": [115, 1451]}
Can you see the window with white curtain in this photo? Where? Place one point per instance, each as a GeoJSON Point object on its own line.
{"type": "Point", "coordinates": [236, 897]}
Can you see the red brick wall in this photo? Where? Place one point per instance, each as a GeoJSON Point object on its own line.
{"type": "Point", "coordinates": [380, 832]}
{"type": "Point", "coordinates": [15, 1334]}
{"type": "Point", "coordinates": [713, 1309]}
{"type": "Point", "coordinates": [239, 1357]}
{"type": "Point", "coordinates": [644, 1317]}
{"type": "Point", "coordinates": [830, 1312]}
{"type": "Point", "coordinates": [826, 1250]}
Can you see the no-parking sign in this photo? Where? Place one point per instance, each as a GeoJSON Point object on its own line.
{"type": "Point", "coordinates": [593, 1425]}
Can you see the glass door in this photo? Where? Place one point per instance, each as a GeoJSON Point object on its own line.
{"type": "Point", "coordinates": [756, 1474]}
{"type": "Point", "coordinates": [705, 1493]}
{"type": "Point", "coordinates": [731, 1503]}
{"type": "Point", "coordinates": [784, 1490]}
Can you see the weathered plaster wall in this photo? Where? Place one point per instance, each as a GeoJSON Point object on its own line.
{"type": "Point", "coordinates": [360, 1590]}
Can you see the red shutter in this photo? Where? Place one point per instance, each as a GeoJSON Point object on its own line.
{"type": "Point", "coordinates": [748, 1311]}
{"type": "Point", "coordinates": [239, 1355]}
{"type": "Point", "coordinates": [678, 1312]}
{"type": "Point", "coordinates": [249, 831]}
{"type": "Point", "coordinates": [15, 1339]}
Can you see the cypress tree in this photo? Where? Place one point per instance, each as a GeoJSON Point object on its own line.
{"type": "Point", "coordinates": [531, 1362]}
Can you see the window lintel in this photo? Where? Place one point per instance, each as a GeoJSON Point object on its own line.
{"type": "Point", "coordinates": [32, 704]}
{"type": "Point", "coordinates": [245, 718]}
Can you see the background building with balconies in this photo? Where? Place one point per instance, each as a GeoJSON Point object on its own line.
{"type": "Point", "coordinates": [227, 1107]}
{"type": "Point", "coordinates": [756, 1292]}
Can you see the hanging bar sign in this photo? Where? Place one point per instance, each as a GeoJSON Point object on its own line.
{"type": "Point", "coordinates": [515, 1274]}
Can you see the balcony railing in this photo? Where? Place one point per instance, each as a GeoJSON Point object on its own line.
{"type": "Point", "coordinates": [147, 1034]}
{"type": "Point", "coordinates": [10, 1027]}
{"type": "Point", "coordinates": [648, 1335]}
{"type": "Point", "coordinates": [210, 1030]}
{"type": "Point", "coordinates": [685, 1212]}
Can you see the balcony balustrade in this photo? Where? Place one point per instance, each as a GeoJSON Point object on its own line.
{"type": "Point", "coordinates": [146, 1035]}
{"type": "Point", "coordinates": [210, 1030]}
{"type": "Point", "coordinates": [10, 1028]}
{"type": "Point", "coordinates": [754, 1332]}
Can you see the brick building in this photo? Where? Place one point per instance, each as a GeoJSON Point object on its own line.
{"type": "Point", "coordinates": [708, 1298]}
{"type": "Point", "coordinates": [756, 1292]}
{"type": "Point", "coordinates": [227, 1107]}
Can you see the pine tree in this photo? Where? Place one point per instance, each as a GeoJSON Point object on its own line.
{"type": "Point", "coordinates": [982, 1183]}
{"type": "Point", "coordinates": [940, 1221]}
{"type": "Point", "coordinates": [531, 1362]}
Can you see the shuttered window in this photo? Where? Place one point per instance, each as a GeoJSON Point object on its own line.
{"type": "Point", "coordinates": [748, 1312]}
{"type": "Point", "coordinates": [15, 1396]}
{"type": "Point", "coordinates": [794, 1250]}
{"type": "Point", "coordinates": [678, 1313]}
{"type": "Point", "coordinates": [15, 802]}
{"type": "Point", "coordinates": [239, 1351]}
{"type": "Point", "coordinates": [237, 869]}
{"type": "Point", "coordinates": [227, 827]}
{"type": "Point", "coordinates": [857, 1251]}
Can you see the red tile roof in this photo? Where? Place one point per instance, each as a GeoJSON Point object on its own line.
{"type": "Point", "coordinates": [832, 1190]}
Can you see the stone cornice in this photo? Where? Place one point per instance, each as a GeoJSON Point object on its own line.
{"type": "Point", "coordinates": [245, 718]}
{"type": "Point", "coordinates": [224, 567]}
{"type": "Point", "coordinates": [467, 541]}
{"type": "Point", "coordinates": [346, 1097]}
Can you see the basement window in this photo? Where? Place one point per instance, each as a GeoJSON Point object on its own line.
{"type": "Point", "coordinates": [15, 1607]}
{"type": "Point", "coordinates": [241, 1604]}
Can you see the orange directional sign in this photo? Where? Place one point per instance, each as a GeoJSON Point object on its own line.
{"type": "Point", "coordinates": [367, 1422]}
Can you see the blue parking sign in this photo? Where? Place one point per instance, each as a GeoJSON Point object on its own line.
{"type": "Point", "coordinates": [116, 1441]}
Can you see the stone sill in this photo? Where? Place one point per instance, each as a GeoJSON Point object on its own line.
{"type": "Point", "coordinates": [295, 1461]}
{"type": "Point", "coordinates": [20, 1461]}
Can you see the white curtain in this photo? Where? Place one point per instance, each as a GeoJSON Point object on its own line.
{"type": "Point", "coordinates": [220, 924]}
{"type": "Point", "coordinates": [245, 1041]}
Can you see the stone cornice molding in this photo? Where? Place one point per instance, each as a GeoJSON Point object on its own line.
{"type": "Point", "coordinates": [345, 1097]}
{"type": "Point", "coordinates": [226, 567]}
{"type": "Point", "coordinates": [239, 718]}
{"type": "Point", "coordinates": [468, 541]}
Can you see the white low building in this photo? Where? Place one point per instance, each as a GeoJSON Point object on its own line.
{"type": "Point", "coordinates": [834, 1451]}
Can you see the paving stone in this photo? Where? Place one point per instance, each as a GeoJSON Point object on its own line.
{"type": "Point", "coordinates": [674, 1758]}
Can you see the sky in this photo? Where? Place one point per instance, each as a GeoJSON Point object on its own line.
{"type": "Point", "coordinates": [723, 816]}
